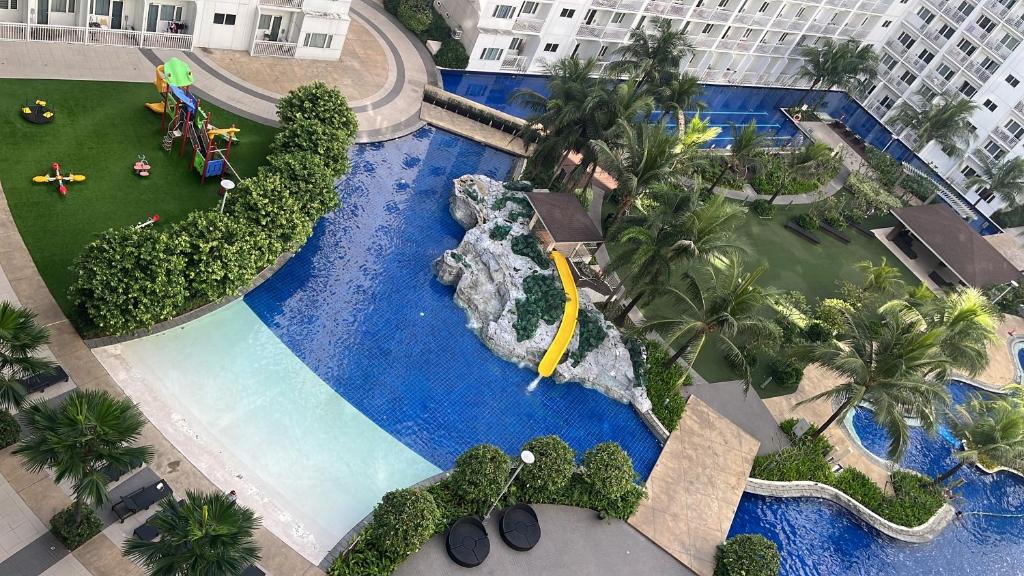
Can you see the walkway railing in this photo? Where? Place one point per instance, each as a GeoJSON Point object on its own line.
{"type": "Point", "coordinates": [281, 3]}
{"type": "Point", "coordinates": [277, 49]}
{"type": "Point", "coordinates": [95, 36]}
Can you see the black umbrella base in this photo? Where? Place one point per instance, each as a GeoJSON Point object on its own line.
{"type": "Point", "coordinates": [520, 528]}
{"type": "Point", "coordinates": [467, 543]}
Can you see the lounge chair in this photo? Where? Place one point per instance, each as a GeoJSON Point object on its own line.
{"type": "Point", "coordinates": [141, 499]}
{"type": "Point", "coordinates": [520, 528]}
{"type": "Point", "coordinates": [147, 532]}
{"type": "Point", "coordinates": [467, 543]}
{"type": "Point", "coordinates": [44, 380]}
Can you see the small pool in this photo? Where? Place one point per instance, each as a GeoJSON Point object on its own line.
{"type": "Point", "coordinates": [817, 538]}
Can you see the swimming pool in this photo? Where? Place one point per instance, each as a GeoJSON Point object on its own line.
{"type": "Point", "coordinates": [384, 384]}
{"type": "Point", "coordinates": [816, 537]}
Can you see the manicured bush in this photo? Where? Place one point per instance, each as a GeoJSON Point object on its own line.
{"type": "Point", "coordinates": [748, 555]}
{"type": "Point", "coordinates": [10, 431]}
{"type": "Point", "coordinates": [526, 245]}
{"type": "Point", "coordinates": [762, 208]}
{"type": "Point", "coordinates": [264, 202]}
{"type": "Point", "coordinates": [318, 102]}
{"type": "Point", "coordinates": [315, 138]}
{"type": "Point", "coordinates": [547, 478]}
{"type": "Point", "coordinates": [544, 300]}
{"type": "Point", "coordinates": [74, 535]}
{"type": "Point", "coordinates": [478, 477]}
{"type": "Point", "coordinates": [804, 460]}
{"type": "Point", "coordinates": [663, 386]}
{"type": "Point", "coordinates": [785, 372]}
{"type": "Point", "coordinates": [607, 475]}
{"type": "Point", "coordinates": [518, 186]}
{"type": "Point", "coordinates": [221, 254]}
{"type": "Point", "coordinates": [919, 186]}
{"type": "Point", "coordinates": [129, 279]}
{"type": "Point", "coordinates": [887, 168]}
{"type": "Point", "coordinates": [308, 179]}
{"type": "Point", "coordinates": [857, 485]}
{"type": "Point", "coordinates": [806, 221]}
{"type": "Point", "coordinates": [776, 176]}
{"type": "Point", "coordinates": [402, 522]}
{"type": "Point", "coordinates": [916, 499]}
{"type": "Point", "coordinates": [499, 231]}
{"type": "Point", "coordinates": [832, 313]}
{"type": "Point", "coordinates": [452, 54]}
{"type": "Point", "coordinates": [416, 15]}
{"type": "Point", "coordinates": [591, 334]}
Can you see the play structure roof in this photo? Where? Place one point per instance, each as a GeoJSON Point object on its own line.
{"type": "Point", "coordinates": [177, 73]}
{"type": "Point", "coordinates": [564, 217]}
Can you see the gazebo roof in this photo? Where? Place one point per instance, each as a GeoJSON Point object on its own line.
{"type": "Point", "coordinates": [957, 245]}
{"type": "Point", "coordinates": [564, 217]}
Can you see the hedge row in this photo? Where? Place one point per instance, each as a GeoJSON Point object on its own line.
{"type": "Point", "coordinates": [129, 279]}
{"type": "Point", "coordinates": [420, 17]}
{"type": "Point", "coordinates": [405, 519]}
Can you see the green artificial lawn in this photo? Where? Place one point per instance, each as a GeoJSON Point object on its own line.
{"type": "Point", "coordinates": [793, 264]}
{"type": "Point", "coordinates": [99, 130]}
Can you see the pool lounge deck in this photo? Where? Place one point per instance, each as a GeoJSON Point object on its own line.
{"type": "Point", "coordinates": [696, 486]}
{"type": "Point", "coordinates": [1002, 362]}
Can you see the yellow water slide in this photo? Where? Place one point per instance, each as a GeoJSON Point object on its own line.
{"type": "Point", "coordinates": [572, 308]}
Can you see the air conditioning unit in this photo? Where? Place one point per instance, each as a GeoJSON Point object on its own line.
{"type": "Point", "coordinates": [457, 33]}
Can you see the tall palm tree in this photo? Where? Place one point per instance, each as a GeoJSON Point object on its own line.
{"type": "Point", "coordinates": [694, 134]}
{"type": "Point", "coordinates": [991, 430]}
{"type": "Point", "coordinates": [625, 101]}
{"type": "Point", "coordinates": [847, 65]}
{"type": "Point", "coordinates": [678, 94]}
{"type": "Point", "coordinates": [889, 360]}
{"type": "Point", "coordinates": [1003, 178]}
{"type": "Point", "coordinates": [205, 535]}
{"type": "Point", "coordinates": [723, 304]}
{"type": "Point", "coordinates": [882, 279]}
{"type": "Point", "coordinates": [646, 155]}
{"type": "Point", "coordinates": [945, 120]}
{"type": "Point", "coordinates": [746, 144]}
{"type": "Point", "coordinates": [652, 57]}
{"type": "Point", "coordinates": [89, 431]}
{"type": "Point", "coordinates": [20, 339]}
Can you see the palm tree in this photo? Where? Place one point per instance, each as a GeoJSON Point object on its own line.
{"type": "Point", "coordinates": [679, 94]}
{"type": "Point", "coordinates": [991, 430]}
{"type": "Point", "coordinates": [605, 108]}
{"type": "Point", "coordinates": [1003, 178]}
{"type": "Point", "coordinates": [652, 57]}
{"type": "Point", "coordinates": [881, 280]}
{"type": "Point", "coordinates": [646, 155]}
{"type": "Point", "coordinates": [20, 338]}
{"type": "Point", "coordinates": [889, 360]}
{"type": "Point", "coordinates": [847, 65]}
{"type": "Point", "coordinates": [747, 142]}
{"type": "Point", "coordinates": [944, 120]}
{"type": "Point", "coordinates": [721, 303]}
{"type": "Point", "coordinates": [694, 134]}
{"type": "Point", "coordinates": [204, 535]}
{"type": "Point", "coordinates": [75, 440]}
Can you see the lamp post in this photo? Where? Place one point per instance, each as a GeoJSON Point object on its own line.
{"type": "Point", "coordinates": [225, 187]}
{"type": "Point", "coordinates": [526, 457]}
{"type": "Point", "coordinates": [1013, 284]}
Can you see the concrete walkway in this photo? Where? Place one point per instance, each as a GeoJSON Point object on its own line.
{"type": "Point", "coordinates": [574, 542]}
{"type": "Point", "coordinates": [746, 410]}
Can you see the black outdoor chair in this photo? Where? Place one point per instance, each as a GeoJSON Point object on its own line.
{"type": "Point", "coordinates": [141, 499]}
{"type": "Point", "coordinates": [253, 570]}
{"type": "Point", "coordinates": [40, 382]}
{"type": "Point", "coordinates": [147, 532]}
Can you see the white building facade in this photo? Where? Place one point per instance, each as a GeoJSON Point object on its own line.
{"type": "Point", "coordinates": [313, 29]}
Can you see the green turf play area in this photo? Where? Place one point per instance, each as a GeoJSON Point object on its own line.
{"type": "Point", "coordinates": [99, 130]}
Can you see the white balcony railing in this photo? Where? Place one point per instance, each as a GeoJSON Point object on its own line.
{"type": "Point", "coordinates": [711, 14]}
{"type": "Point", "coordinates": [276, 49]}
{"type": "Point", "coordinates": [916, 64]}
{"type": "Point", "coordinates": [95, 36]}
{"type": "Point", "coordinates": [1019, 108]}
{"type": "Point", "coordinates": [10, 31]}
{"type": "Point", "coordinates": [528, 25]}
{"type": "Point", "coordinates": [976, 31]}
{"type": "Point", "coordinates": [164, 41]}
{"type": "Point", "coordinates": [933, 36]}
{"type": "Point", "coordinates": [667, 9]}
{"type": "Point", "coordinates": [281, 3]}
{"type": "Point", "coordinates": [1005, 137]}
{"type": "Point", "coordinates": [998, 48]}
{"type": "Point", "coordinates": [937, 81]}
{"type": "Point", "coordinates": [621, 5]}
{"type": "Point", "coordinates": [978, 72]}
{"type": "Point", "coordinates": [602, 32]}
{"type": "Point", "coordinates": [950, 11]}
{"type": "Point", "coordinates": [704, 41]}
{"type": "Point", "coordinates": [514, 63]}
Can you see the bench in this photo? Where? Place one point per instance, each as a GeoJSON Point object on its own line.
{"type": "Point", "coordinates": [43, 380]}
{"type": "Point", "coordinates": [862, 230]}
{"type": "Point", "coordinates": [833, 232]}
{"type": "Point", "coordinates": [799, 231]}
{"type": "Point", "coordinates": [141, 499]}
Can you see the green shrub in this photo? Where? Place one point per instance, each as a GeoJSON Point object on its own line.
{"type": "Point", "coordinates": [785, 372]}
{"type": "Point", "coordinates": [308, 179]}
{"type": "Point", "coordinates": [438, 29]}
{"type": "Point", "coordinates": [815, 331]}
{"type": "Point", "coordinates": [416, 15]}
{"type": "Point", "coordinates": [887, 168]}
{"type": "Point", "coordinates": [402, 523]}
{"type": "Point", "coordinates": [592, 334]}
{"type": "Point", "coordinates": [762, 208]}
{"type": "Point", "coordinates": [547, 478]}
{"type": "Point", "coordinates": [523, 209]}
{"type": "Point", "coordinates": [310, 136]}
{"type": "Point", "coordinates": [526, 245]}
{"type": "Point", "coordinates": [10, 430]}
{"type": "Point", "coordinates": [518, 186]}
{"type": "Point", "coordinates": [663, 386]}
{"type": "Point", "coordinates": [804, 460]}
{"type": "Point", "coordinates": [500, 231]}
{"type": "Point", "coordinates": [264, 202]}
{"type": "Point", "coordinates": [478, 477]}
{"type": "Point", "coordinates": [607, 475]}
{"type": "Point", "coordinates": [916, 499]}
{"type": "Point", "coordinates": [71, 535]}
{"type": "Point", "coordinates": [544, 300]}
{"type": "Point", "coordinates": [317, 102]}
{"type": "Point", "coordinates": [806, 221]}
{"type": "Point", "coordinates": [832, 313]}
{"type": "Point", "coordinates": [919, 186]}
{"type": "Point", "coordinates": [776, 176]}
{"type": "Point", "coordinates": [451, 54]}
{"type": "Point", "coordinates": [858, 486]}
{"type": "Point", "coordinates": [128, 279]}
{"type": "Point", "coordinates": [222, 254]}
{"type": "Point", "coordinates": [748, 555]}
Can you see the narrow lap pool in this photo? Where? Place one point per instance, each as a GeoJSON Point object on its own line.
{"type": "Point", "coordinates": [818, 538]}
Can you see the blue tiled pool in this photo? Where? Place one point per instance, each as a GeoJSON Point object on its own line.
{"type": "Point", "coordinates": [817, 538]}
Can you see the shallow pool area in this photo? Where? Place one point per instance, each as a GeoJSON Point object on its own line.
{"type": "Point", "coordinates": [816, 537]}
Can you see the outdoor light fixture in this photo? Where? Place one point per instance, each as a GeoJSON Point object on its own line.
{"type": "Point", "coordinates": [526, 458]}
{"type": "Point", "coordinates": [1013, 284]}
{"type": "Point", "coordinates": [225, 187]}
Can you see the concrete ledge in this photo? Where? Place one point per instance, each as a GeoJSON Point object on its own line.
{"type": "Point", "coordinates": [918, 534]}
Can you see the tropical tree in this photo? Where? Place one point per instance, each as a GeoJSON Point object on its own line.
{"type": "Point", "coordinates": [652, 57]}
{"type": "Point", "coordinates": [944, 119]}
{"type": "Point", "coordinates": [721, 304]}
{"type": "Point", "coordinates": [76, 440]}
{"type": "Point", "coordinates": [607, 110]}
{"type": "Point", "coordinates": [20, 339]}
{"type": "Point", "coordinates": [992, 431]}
{"type": "Point", "coordinates": [678, 94]}
{"type": "Point", "coordinates": [1003, 178]}
{"type": "Point", "coordinates": [889, 360]}
{"type": "Point", "coordinates": [647, 155]}
{"type": "Point", "coordinates": [204, 535]}
{"type": "Point", "coordinates": [693, 134]}
{"type": "Point", "coordinates": [744, 149]}
{"type": "Point", "coordinates": [847, 65]}
{"type": "Point", "coordinates": [881, 279]}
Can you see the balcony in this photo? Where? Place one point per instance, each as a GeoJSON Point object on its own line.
{"type": "Point", "coordinates": [95, 36]}
{"type": "Point", "coordinates": [998, 48]}
{"type": "Point", "coordinates": [815, 28]}
{"type": "Point", "coordinates": [953, 14]}
{"type": "Point", "coordinates": [959, 57]}
{"type": "Point", "coordinates": [1019, 108]}
{"type": "Point", "coordinates": [1005, 137]}
{"type": "Point", "coordinates": [711, 14]}
{"type": "Point", "coordinates": [878, 109]}
{"type": "Point", "coordinates": [933, 36]}
{"type": "Point", "coordinates": [977, 31]}
{"type": "Point", "coordinates": [514, 63]}
{"type": "Point", "coordinates": [735, 45]}
{"type": "Point", "coordinates": [787, 24]}
{"type": "Point", "coordinates": [978, 72]}
{"type": "Point", "coordinates": [896, 48]}
{"type": "Point", "coordinates": [620, 5]}
{"type": "Point", "coordinates": [704, 41]}
{"type": "Point", "coordinates": [937, 81]}
{"type": "Point", "coordinates": [274, 49]}
{"type": "Point", "coordinates": [752, 19]}
{"type": "Point", "coordinates": [528, 25]}
{"type": "Point", "coordinates": [671, 9]}
{"type": "Point", "coordinates": [292, 4]}
{"type": "Point", "coordinates": [602, 32]}
{"type": "Point", "coordinates": [916, 64]}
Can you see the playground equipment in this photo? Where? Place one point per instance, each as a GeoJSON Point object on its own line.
{"type": "Point", "coordinates": [148, 222]}
{"type": "Point", "coordinates": [141, 166]}
{"type": "Point", "coordinates": [183, 117]}
{"type": "Point", "coordinates": [59, 178]}
{"type": "Point", "coordinates": [37, 113]}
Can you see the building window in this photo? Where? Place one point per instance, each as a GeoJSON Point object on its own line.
{"type": "Point", "coordinates": [947, 31]}
{"type": "Point", "coordinates": [967, 89]}
{"type": "Point", "coordinates": [516, 44]}
{"type": "Point", "coordinates": [906, 40]}
{"type": "Point", "coordinates": [782, 37]}
{"type": "Point", "coordinates": [63, 6]}
{"type": "Point", "coordinates": [504, 11]}
{"type": "Point", "coordinates": [989, 64]}
{"type": "Point", "coordinates": [925, 56]}
{"type": "Point", "coordinates": [888, 61]}
{"type": "Point", "coordinates": [601, 53]}
{"type": "Point", "coordinates": [1012, 81]}
{"type": "Point", "coordinates": [926, 15]}
{"type": "Point", "coordinates": [529, 8]}
{"type": "Point", "coordinates": [225, 19]}
{"type": "Point", "coordinates": [1010, 42]}
{"type": "Point", "coordinates": [763, 8]}
{"type": "Point", "coordinates": [707, 28]}
{"type": "Point", "coordinates": [317, 40]}
{"type": "Point", "coordinates": [550, 47]}
{"type": "Point", "coordinates": [994, 150]}
{"type": "Point", "coordinates": [966, 47]}
{"type": "Point", "coordinates": [8, 4]}
{"type": "Point", "coordinates": [986, 23]}
{"type": "Point", "coordinates": [945, 71]}
{"type": "Point", "coordinates": [968, 172]}
{"type": "Point", "coordinates": [990, 105]}
{"type": "Point", "coordinates": [799, 14]}
{"type": "Point", "coordinates": [1014, 128]}
{"type": "Point", "coordinates": [885, 24]}
{"type": "Point", "coordinates": [723, 3]}
{"type": "Point", "coordinates": [908, 77]}
{"type": "Point", "coordinates": [618, 17]}
{"type": "Point", "coordinates": [97, 7]}
{"type": "Point", "coordinates": [887, 102]}
{"type": "Point", "coordinates": [746, 34]}
{"type": "Point", "coordinates": [567, 13]}
{"type": "Point", "coordinates": [965, 8]}
{"type": "Point", "coordinates": [490, 53]}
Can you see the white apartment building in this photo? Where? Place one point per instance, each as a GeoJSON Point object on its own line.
{"type": "Point", "coordinates": [313, 29]}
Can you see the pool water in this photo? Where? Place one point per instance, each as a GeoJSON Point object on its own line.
{"type": "Point", "coordinates": [816, 537]}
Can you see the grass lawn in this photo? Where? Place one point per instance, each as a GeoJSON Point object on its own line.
{"type": "Point", "coordinates": [793, 264]}
{"type": "Point", "coordinates": [99, 130]}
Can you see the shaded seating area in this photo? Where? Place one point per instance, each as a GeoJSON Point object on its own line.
{"type": "Point", "coordinates": [561, 223]}
{"type": "Point", "coordinates": [141, 499]}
